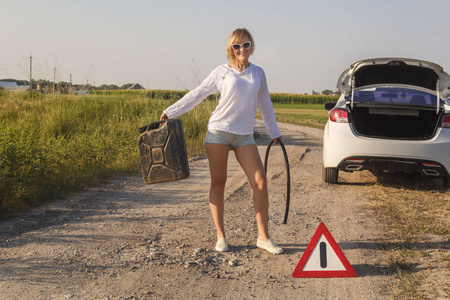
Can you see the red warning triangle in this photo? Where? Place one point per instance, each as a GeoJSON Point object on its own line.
{"type": "Point", "coordinates": [323, 258]}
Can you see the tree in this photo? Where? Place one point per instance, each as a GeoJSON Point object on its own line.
{"type": "Point", "coordinates": [125, 86]}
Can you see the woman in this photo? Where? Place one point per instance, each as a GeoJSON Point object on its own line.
{"type": "Point", "coordinates": [242, 88]}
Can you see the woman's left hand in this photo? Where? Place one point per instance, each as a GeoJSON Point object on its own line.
{"type": "Point", "coordinates": [275, 140]}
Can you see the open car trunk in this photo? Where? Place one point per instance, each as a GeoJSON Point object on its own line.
{"type": "Point", "coordinates": [394, 122]}
{"type": "Point", "coordinates": [395, 98]}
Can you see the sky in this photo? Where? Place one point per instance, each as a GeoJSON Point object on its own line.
{"type": "Point", "coordinates": [174, 44]}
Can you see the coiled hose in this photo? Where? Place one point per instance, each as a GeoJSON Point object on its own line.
{"type": "Point", "coordinates": [288, 175]}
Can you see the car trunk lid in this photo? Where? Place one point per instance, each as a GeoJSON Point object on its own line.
{"type": "Point", "coordinates": [401, 72]}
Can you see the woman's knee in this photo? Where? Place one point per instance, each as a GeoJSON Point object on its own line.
{"type": "Point", "coordinates": [218, 183]}
{"type": "Point", "coordinates": [261, 183]}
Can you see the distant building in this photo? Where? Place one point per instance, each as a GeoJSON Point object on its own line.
{"type": "Point", "coordinates": [136, 86]}
{"type": "Point", "coordinates": [81, 92]}
{"type": "Point", "coordinates": [12, 86]}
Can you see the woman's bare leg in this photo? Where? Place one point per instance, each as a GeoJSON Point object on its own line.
{"type": "Point", "coordinates": [250, 161]}
{"type": "Point", "coordinates": [218, 160]}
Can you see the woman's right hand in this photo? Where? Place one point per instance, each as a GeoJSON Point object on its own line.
{"type": "Point", "coordinates": [275, 140]}
{"type": "Point", "coordinates": [164, 117]}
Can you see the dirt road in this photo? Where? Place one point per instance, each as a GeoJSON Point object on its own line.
{"type": "Point", "coordinates": [129, 240]}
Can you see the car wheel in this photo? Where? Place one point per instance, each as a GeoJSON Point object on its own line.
{"type": "Point", "coordinates": [446, 183]}
{"type": "Point", "coordinates": [330, 175]}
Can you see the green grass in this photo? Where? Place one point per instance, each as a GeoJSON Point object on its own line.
{"type": "Point", "coordinates": [52, 145]}
{"type": "Point", "coordinates": [415, 219]}
{"type": "Point", "coordinates": [299, 106]}
{"type": "Point", "coordinates": [312, 115]}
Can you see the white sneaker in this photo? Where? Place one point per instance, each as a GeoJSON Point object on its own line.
{"type": "Point", "coordinates": [222, 245]}
{"type": "Point", "coordinates": [270, 246]}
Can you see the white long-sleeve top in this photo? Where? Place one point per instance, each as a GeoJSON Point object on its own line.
{"type": "Point", "coordinates": [240, 95]}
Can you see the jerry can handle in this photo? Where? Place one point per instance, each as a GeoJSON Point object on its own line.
{"type": "Point", "coordinates": [150, 126]}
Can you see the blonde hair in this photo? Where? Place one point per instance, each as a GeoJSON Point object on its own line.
{"type": "Point", "coordinates": [235, 36]}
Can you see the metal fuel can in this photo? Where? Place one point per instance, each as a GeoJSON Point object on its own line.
{"type": "Point", "coordinates": [163, 151]}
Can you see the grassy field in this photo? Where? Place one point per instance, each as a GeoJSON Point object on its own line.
{"type": "Point", "coordinates": [416, 234]}
{"type": "Point", "coordinates": [53, 145]}
{"type": "Point", "coordinates": [312, 115]}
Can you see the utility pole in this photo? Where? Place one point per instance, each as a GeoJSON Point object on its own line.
{"type": "Point", "coordinates": [31, 70]}
{"type": "Point", "coordinates": [54, 78]}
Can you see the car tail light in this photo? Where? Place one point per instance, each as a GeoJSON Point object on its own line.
{"type": "Point", "coordinates": [354, 160]}
{"type": "Point", "coordinates": [431, 165]}
{"type": "Point", "coordinates": [341, 116]}
{"type": "Point", "coordinates": [446, 121]}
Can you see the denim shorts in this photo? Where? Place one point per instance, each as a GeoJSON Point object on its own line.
{"type": "Point", "coordinates": [226, 138]}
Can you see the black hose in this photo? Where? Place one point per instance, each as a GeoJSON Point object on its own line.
{"type": "Point", "coordinates": [288, 175]}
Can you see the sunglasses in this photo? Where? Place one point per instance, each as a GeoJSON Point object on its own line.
{"type": "Point", "coordinates": [244, 45]}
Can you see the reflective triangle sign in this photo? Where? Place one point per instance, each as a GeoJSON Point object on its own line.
{"type": "Point", "coordinates": [323, 258]}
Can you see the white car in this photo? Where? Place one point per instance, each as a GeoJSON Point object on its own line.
{"type": "Point", "coordinates": [392, 116]}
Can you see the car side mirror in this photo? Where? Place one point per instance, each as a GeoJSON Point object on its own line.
{"type": "Point", "coordinates": [330, 105]}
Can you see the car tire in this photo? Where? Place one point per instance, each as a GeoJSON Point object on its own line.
{"type": "Point", "coordinates": [446, 182]}
{"type": "Point", "coordinates": [330, 175]}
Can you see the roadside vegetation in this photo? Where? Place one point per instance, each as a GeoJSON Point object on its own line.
{"type": "Point", "coordinates": [415, 215]}
{"type": "Point", "coordinates": [311, 115]}
{"type": "Point", "coordinates": [52, 145]}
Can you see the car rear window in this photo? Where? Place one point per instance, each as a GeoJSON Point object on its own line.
{"type": "Point", "coordinates": [395, 96]}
